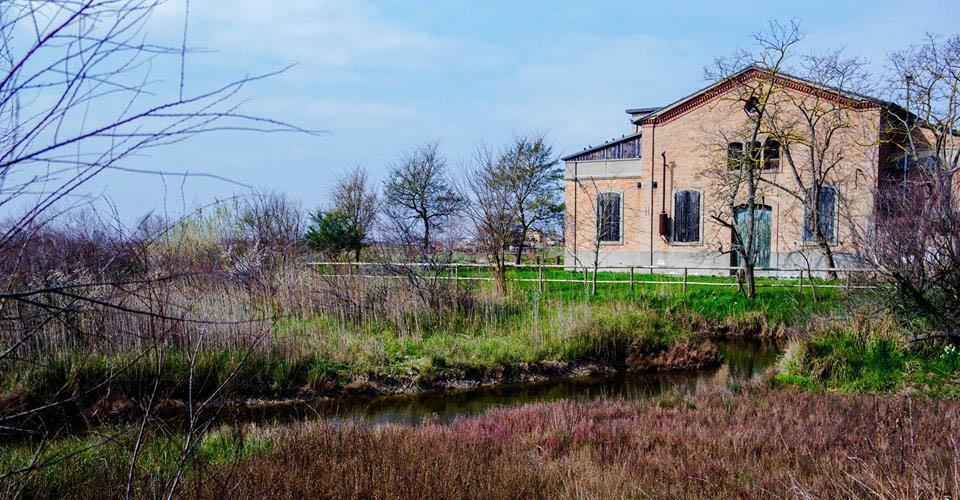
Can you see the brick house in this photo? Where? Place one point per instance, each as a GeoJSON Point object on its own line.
{"type": "Point", "coordinates": [656, 185]}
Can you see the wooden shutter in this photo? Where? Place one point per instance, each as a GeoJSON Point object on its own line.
{"type": "Point", "coordinates": [686, 220]}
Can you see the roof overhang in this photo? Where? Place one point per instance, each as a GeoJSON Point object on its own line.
{"type": "Point", "coordinates": [707, 94]}
{"type": "Point", "coordinates": [604, 145]}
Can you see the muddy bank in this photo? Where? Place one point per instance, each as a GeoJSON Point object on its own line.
{"type": "Point", "coordinates": [642, 358]}
{"type": "Point", "coordinates": [746, 326]}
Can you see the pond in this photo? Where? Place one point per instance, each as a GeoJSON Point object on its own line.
{"type": "Point", "coordinates": [743, 360]}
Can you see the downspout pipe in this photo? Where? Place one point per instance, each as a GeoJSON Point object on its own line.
{"type": "Point", "coordinates": [664, 218]}
{"type": "Point", "coordinates": [663, 183]}
{"type": "Point", "coordinates": [653, 177]}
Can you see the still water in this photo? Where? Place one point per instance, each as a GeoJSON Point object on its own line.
{"type": "Point", "coordinates": [743, 360]}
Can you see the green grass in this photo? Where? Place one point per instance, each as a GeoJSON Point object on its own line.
{"type": "Point", "coordinates": [857, 358]}
{"type": "Point", "coordinates": [97, 464]}
{"type": "Point", "coordinates": [318, 354]}
{"type": "Point", "coordinates": [780, 304]}
{"type": "Point", "coordinates": [311, 353]}
{"type": "Point", "coordinates": [527, 331]}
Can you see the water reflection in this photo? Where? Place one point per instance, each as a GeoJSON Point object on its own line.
{"type": "Point", "coordinates": [743, 360]}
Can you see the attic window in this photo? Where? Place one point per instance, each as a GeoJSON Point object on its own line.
{"type": "Point", "coordinates": [734, 155]}
{"type": "Point", "coordinates": [771, 155]}
{"type": "Point", "coordinates": [752, 105]}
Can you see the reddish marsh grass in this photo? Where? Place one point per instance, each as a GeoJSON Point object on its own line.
{"type": "Point", "coordinates": [756, 443]}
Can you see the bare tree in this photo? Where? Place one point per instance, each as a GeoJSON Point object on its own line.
{"type": "Point", "coordinates": [927, 78]}
{"type": "Point", "coordinates": [492, 208]}
{"type": "Point", "coordinates": [418, 196]}
{"type": "Point", "coordinates": [813, 134]}
{"type": "Point", "coordinates": [356, 196]}
{"type": "Point", "coordinates": [915, 239]}
{"type": "Point", "coordinates": [535, 177]}
{"type": "Point", "coordinates": [737, 175]}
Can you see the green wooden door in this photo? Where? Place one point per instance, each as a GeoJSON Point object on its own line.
{"type": "Point", "coordinates": [762, 221]}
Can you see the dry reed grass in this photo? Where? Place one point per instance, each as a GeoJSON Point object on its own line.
{"type": "Point", "coordinates": [757, 443]}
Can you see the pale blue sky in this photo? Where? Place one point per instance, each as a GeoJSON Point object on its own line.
{"type": "Point", "coordinates": [384, 76]}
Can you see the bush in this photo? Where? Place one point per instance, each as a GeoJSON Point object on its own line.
{"type": "Point", "coordinates": [333, 232]}
{"type": "Point", "coordinates": [870, 356]}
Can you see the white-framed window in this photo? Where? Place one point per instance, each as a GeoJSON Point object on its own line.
{"type": "Point", "coordinates": [686, 216]}
{"type": "Point", "coordinates": [826, 206]}
{"type": "Point", "coordinates": [765, 155]}
{"type": "Point", "coordinates": [609, 217]}
{"type": "Point", "coordinates": [734, 154]}
{"type": "Point", "coordinates": [771, 154]}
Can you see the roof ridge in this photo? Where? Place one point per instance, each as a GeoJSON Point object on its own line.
{"type": "Point", "coordinates": [667, 112]}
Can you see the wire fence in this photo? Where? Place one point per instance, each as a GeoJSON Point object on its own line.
{"type": "Point", "coordinates": [637, 275]}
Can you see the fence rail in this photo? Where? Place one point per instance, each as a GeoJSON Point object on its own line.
{"type": "Point", "coordinates": [590, 275]}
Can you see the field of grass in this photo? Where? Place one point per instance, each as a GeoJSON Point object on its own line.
{"type": "Point", "coordinates": [778, 304]}
{"type": "Point", "coordinates": [752, 442]}
{"type": "Point", "coordinates": [760, 440]}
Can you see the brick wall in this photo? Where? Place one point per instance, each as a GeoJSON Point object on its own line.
{"type": "Point", "coordinates": [694, 145]}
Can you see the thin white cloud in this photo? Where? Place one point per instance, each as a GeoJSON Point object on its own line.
{"type": "Point", "coordinates": [321, 34]}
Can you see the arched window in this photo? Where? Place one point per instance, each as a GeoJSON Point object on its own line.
{"type": "Point", "coordinates": [608, 217]}
{"type": "Point", "coordinates": [771, 155]}
{"type": "Point", "coordinates": [734, 154]}
{"type": "Point", "coordinates": [686, 216]}
{"type": "Point", "coordinates": [826, 215]}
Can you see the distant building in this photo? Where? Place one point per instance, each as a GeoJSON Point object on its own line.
{"type": "Point", "coordinates": [661, 165]}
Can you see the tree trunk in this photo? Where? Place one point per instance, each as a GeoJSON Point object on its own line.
{"type": "Point", "coordinates": [426, 235]}
{"type": "Point", "coordinates": [500, 274]}
{"type": "Point", "coordinates": [501, 279]}
{"type": "Point", "coordinates": [751, 281]}
{"type": "Point", "coordinates": [519, 252]}
{"type": "Point", "coordinates": [828, 253]}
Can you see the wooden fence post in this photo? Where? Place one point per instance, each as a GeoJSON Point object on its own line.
{"type": "Point", "coordinates": [684, 280]}
{"type": "Point", "coordinates": [849, 273]}
{"type": "Point", "coordinates": [456, 274]}
{"type": "Point", "coordinates": [585, 288]}
{"type": "Point", "coordinates": [631, 279]}
{"type": "Point", "coordinates": [800, 281]}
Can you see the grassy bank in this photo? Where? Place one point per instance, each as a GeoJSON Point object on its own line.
{"type": "Point", "coordinates": [754, 442]}
{"type": "Point", "coordinates": [311, 356]}
{"type": "Point", "coordinates": [328, 337]}
{"type": "Point", "coordinates": [871, 356]}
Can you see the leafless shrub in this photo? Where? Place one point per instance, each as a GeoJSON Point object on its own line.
{"type": "Point", "coordinates": [914, 241]}
{"type": "Point", "coordinates": [79, 288]}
